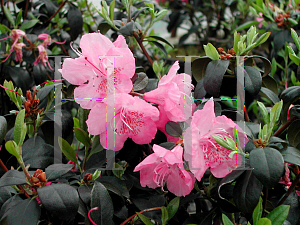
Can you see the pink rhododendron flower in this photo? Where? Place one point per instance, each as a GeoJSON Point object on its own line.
{"type": "Point", "coordinates": [132, 118]}
{"type": "Point", "coordinates": [166, 166]}
{"type": "Point", "coordinates": [47, 40]}
{"type": "Point", "coordinates": [43, 57]}
{"type": "Point", "coordinates": [173, 94]}
{"type": "Point", "coordinates": [16, 34]}
{"type": "Point", "coordinates": [202, 151]}
{"type": "Point", "coordinates": [89, 70]}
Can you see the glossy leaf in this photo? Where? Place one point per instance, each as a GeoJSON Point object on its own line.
{"type": "Point", "coordinates": [211, 52]}
{"type": "Point", "coordinates": [145, 219]}
{"type": "Point", "coordinates": [289, 96]}
{"type": "Point", "coordinates": [247, 191]}
{"type": "Point", "coordinates": [12, 148]}
{"type": "Point", "coordinates": [172, 207]}
{"type": "Point", "coordinates": [214, 75]}
{"type": "Point", "coordinates": [253, 80]}
{"type": "Point", "coordinates": [56, 170]}
{"type": "Point", "coordinates": [19, 128]}
{"type": "Point", "coordinates": [9, 16]}
{"type": "Point", "coordinates": [101, 199]}
{"type": "Point", "coordinates": [268, 165]}
{"type": "Point", "coordinates": [12, 177]}
{"type": "Point", "coordinates": [61, 200]}
{"type": "Point", "coordinates": [67, 149]}
{"type": "Point", "coordinates": [141, 82]}
{"type": "Point", "coordinates": [270, 94]}
{"type": "Point", "coordinates": [226, 220]}
{"type": "Point", "coordinates": [82, 136]}
{"type": "Point", "coordinates": [257, 212]}
{"type": "Point", "coordinates": [293, 134]}
{"type": "Point", "coordinates": [29, 24]}
{"type": "Point", "coordinates": [279, 214]}
{"type": "Point", "coordinates": [199, 67]}
{"type": "Point", "coordinates": [173, 129]}
{"type": "Point", "coordinates": [264, 221]}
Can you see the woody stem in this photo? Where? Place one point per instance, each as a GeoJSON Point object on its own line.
{"type": "Point", "coordinates": [145, 210]}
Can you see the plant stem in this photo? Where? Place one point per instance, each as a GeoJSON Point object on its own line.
{"type": "Point", "coordinates": [90, 12]}
{"type": "Point", "coordinates": [59, 8]}
{"type": "Point", "coordinates": [246, 114]}
{"type": "Point", "coordinates": [26, 9]}
{"type": "Point", "coordinates": [284, 126]}
{"type": "Point", "coordinates": [290, 190]}
{"type": "Point", "coordinates": [145, 210]}
{"type": "Point", "coordinates": [140, 42]}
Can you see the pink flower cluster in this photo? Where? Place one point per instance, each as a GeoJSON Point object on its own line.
{"type": "Point", "coordinates": [103, 73]}
{"type": "Point", "coordinates": [17, 46]}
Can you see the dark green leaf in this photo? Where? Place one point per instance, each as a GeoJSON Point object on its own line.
{"type": "Point", "coordinates": [96, 147]}
{"type": "Point", "coordinates": [29, 24]}
{"type": "Point", "coordinates": [268, 165]}
{"type": "Point", "coordinates": [128, 28]}
{"type": "Point", "coordinates": [235, 174]}
{"type": "Point", "coordinates": [270, 83]}
{"type": "Point", "coordinates": [82, 136]}
{"type": "Point", "coordinates": [3, 128]}
{"type": "Point", "coordinates": [293, 134]}
{"type": "Point", "coordinates": [37, 153]}
{"type": "Point", "coordinates": [114, 185]}
{"type": "Point", "coordinates": [104, 27]}
{"type": "Point", "coordinates": [101, 199]}
{"type": "Point", "coordinates": [145, 219]}
{"type": "Point", "coordinates": [26, 212]}
{"type": "Point", "coordinates": [141, 82]}
{"type": "Point", "coordinates": [199, 91]}
{"type": "Point", "coordinates": [67, 149]}
{"type": "Point", "coordinates": [168, 145]}
{"type": "Point", "coordinates": [55, 171]}
{"type": "Point", "coordinates": [289, 95]}
{"type": "Point", "coordinates": [267, 63]}
{"type": "Point", "coordinates": [161, 39]}
{"type": "Point", "coordinates": [253, 80]}
{"type": "Point", "coordinates": [247, 191]}
{"type": "Point", "coordinates": [160, 47]}
{"type": "Point", "coordinates": [75, 21]}
{"type": "Point", "coordinates": [214, 73]}
{"type": "Point", "coordinates": [61, 200]}
{"type": "Point", "coordinates": [279, 214]}
{"type": "Point", "coordinates": [9, 16]}
{"type": "Point", "coordinates": [43, 92]}
{"type": "Point", "coordinates": [164, 215]}
{"type": "Point", "coordinates": [83, 116]}
{"type": "Point", "coordinates": [294, 111]}
{"type": "Point", "coordinates": [173, 129]}
{"type": "Point", "coordinates": [172, 207]}
{"type": "Point", "coordinates": [270, 94]}
{"type": "Point", "coordinates": [12, 177]}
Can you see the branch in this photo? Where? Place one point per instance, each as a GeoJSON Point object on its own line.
{"type": "Point", "coordinates": [284, 126]}
{"type": "Point", "coordinates": [145, 210]}
{"type": "Point", "coordinates": [139, 41]}
{"type": "Point", "coordinates": [290, 190]}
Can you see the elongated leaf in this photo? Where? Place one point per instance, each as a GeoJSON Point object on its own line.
{"type": "Point", "coordinates": [264, 221]}
{"type": "Point", "coordinates": [160, 47]}
{"type": "Point", "coordinates": [295, 59]}
{"type": "Point", "coordinates": [19, 128]}
{"type": "Point", "coordinates": [264, 112]}
{"type": "Point", "coordinates": [246, 25]}
{"type": "Point", "coordinates": [161, 39]}
{"type": "Point", "coordinates": [295, 38]}
{"type": "Point", "coordinates": [145, 219]}
{"type": "Point", "coordinates": [226, 220]}
{"type": "Point", "coordinates": [199, 67]}
{"type": "Point", "coordinates": [279, 214]}
{"type": "Point", "coordinates": [12, 177]}
{"type": "Point", "coordinates": [173, 129]}
{"type": "Point", "coordinates": [291, 155]}
{"type": "Point", "coordinates": [9, 16]}
{"type": "Point", "coordinates": [211, 51]}
{"type": "Point", "coordinates": [101, 199]}
{"type": "Point", "coordinates": [67, 149]}
{"type": "Point", "coordinates": [164, 215]}
{"type": "Point", "coordinates": [12, 148]}
{"type": "Point", "coordinates": [111, 10]}
{"type": "Point", "coordinates": [82, 136]}
{"type": "Point", "coordinates": [29, 24]}
{"type": "Point", "coordinates": [213, 78]}
{"type": "Point", "coordinates": [257, 212]}
{"type": "Point", "coordinates": [173, 207]}
{"type": "Point", "coordinates": [253, 80]}
{"type": "Point", "coordinates": [293, 134]}
{"type": "Point", "coordinates": [270, 94]}
{"type": "Point", "coordinates": [262, 39]}
{"type": "Point", "coordinates": [247, 191]}
{"type": "Point", "coordinates": [289, 96]}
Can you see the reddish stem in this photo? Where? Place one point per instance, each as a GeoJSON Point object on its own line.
{"type": "Point", "coordinates": [11, 90]}
{"type": "Point", "coordinates": [145, 210]}
{"type": "Point", "coordinates": [284, 126]}
{"type": "Point", "coordinates": [246, 114]}
{"type": "Point", "coordinates": [137, 94]}
{"type": "Point", "coordinates": [51, 81]}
